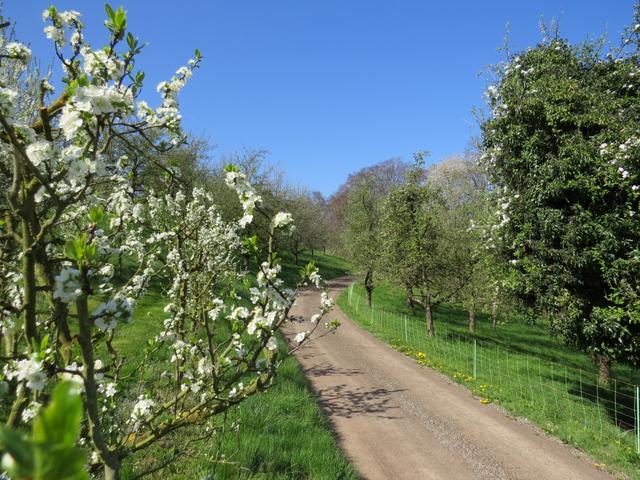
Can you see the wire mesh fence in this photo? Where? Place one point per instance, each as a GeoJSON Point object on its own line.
{"type": "Point", "coordinates": [568, 402]}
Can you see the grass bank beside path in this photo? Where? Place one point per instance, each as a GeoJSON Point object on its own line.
{"type": "Point", "coordinates": [282, 433]}
{"type": "Point", "coordinates": [518, 366]}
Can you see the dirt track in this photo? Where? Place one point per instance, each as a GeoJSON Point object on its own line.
{"type": "Point", "coordinates": [397, 420]}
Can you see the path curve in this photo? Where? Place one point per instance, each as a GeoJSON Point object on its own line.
{"type": "Point", "coordinates": [397, 420]}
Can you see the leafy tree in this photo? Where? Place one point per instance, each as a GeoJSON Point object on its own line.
{"type": "Point", "coordinates": [365, 192]}
{"type": "Point", "coordinates": [362, 234]}
{"type": "Point", "coordinates": [417, 251]}
{"type": "Point", "coordinates": [463, 185]}
{"type": "Point", "coordinates": [562, 147]}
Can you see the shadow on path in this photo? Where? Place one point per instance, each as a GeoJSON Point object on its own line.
{"type": "Point", "coordinates": [325, 369]}
{"type": "Point", "coordinates": [344, 401]}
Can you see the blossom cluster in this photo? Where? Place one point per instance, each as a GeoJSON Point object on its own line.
{"type": "Point", "coordinates": [248, 195]}
{"type": "Point", "coordinates": [101, 241]}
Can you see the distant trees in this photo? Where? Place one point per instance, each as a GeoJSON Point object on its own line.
{"type": "Point", "coordinates": [563, 151]}
{"type": "Point", "coordinates": [308, 211]}
{"type": "Point", "coordinates": [363, 230]}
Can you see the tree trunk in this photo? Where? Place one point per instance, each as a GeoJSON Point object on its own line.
{"type": "Point", "coordinates": [295, 255]}
{"type": "Point", "coordinates": [410, 298]}
{"type": "Point", "coordinates": [368, 286]}
{"type": "Point", "coordinates": [109, 458]}
{"type": "Point", "coordinates": [606, 365]}
{"type": "Point", "coordinates": [472, 319]}
{"type": "Point", "coordinates": [426, 303]}
{"type": "Point", "coordinates": [313, 253]}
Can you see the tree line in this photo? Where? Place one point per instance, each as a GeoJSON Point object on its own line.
{"type": "Point", "coordinates": [542, 217]}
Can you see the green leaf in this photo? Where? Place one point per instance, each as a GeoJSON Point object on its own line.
{"type": "Point", "coordinates": [96, 214]}
{"type": "Point", "coordinates": [90, 252]}
{"type": "Point", "coordinates": [59, 422]}
{"type": "Point", "coordinates": [75, 249]}
{"type": "Point", "coordinates": [120, 20]}
{"type": "Point", "coordinates": [83, 81]}
{"type": "Point", "coordinates": [59, 462]}
{"type": "Point", "coordinates": [44, 343]}
{"type": "Point", "coordinates": [110, 13]}
{"type": "Point", "coordinates": [18, 447]}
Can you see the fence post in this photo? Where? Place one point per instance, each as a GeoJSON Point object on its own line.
{"type": "Point", "coordinates": [475, 359]}
{"type": "Point", "coordinates": [637, 419]}
{"type": "Point", "coordinates": [406, 334]}
{"type": "Point", "coordinates": [615, 401]}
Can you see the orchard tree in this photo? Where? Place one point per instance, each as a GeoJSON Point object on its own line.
{"type": "Point", "coordinates": [463, 186]}
{"type": "Point", "coordinates": [417, 252]}
{"type": "Point", "coordinates": [562, 146]}
{"type": "Point", "coordinates": [70, 213]}
{"type": "Point", "coordinates": [362, 234]}
{"type": "Point", "coordinates": [366, 190]}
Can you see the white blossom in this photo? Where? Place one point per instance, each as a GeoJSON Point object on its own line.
{"type": "Point", "coordinates": [7, 99]}
{"type": "Point", "coordinates": [141, 409]}
{"type": "Point", "coordinates": [29, 371]}
{"type": "Point", "coordinates": [40, 152]}
{"type": "Point", "coordinates": [67, 285]}
{"type": "Point", "coordinates": [282, 219]}
{"type": "Point", "coordinates": [70, 122]}
{"type": "Point", "coordinates": [300, 337]}
{"type": "Point", "coordinates": [272, 344]}
{"type": "Point", "coordinates": [18, 51]}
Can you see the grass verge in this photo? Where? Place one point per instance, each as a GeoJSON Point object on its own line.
{"type": "Point", "coordinates": [518, 366]}
{"type": "Point", "coordinates": [281, 434]}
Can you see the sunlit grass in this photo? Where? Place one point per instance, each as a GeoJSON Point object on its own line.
{"type": "Point", "coordinates": [282, 433]}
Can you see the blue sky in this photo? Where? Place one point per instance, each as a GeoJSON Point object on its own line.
{"type": "Point", "coordinates": [330, 86]}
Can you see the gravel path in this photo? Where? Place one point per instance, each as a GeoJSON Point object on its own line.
{"type": "Point", "coordinates": [397, 420]}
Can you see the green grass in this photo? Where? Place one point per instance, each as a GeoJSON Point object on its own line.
{"type": "Point", "coordinates": [282, 433]}
{"type": "Point", "coordinates": [330, 266]}
{"type": "Point", "coordinates": [518, 366]}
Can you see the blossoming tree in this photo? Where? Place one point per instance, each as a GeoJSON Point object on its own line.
{"type": "Point", "coordinates": [562, 147]}
{"type": "Point", "coordinates": [70, 214]}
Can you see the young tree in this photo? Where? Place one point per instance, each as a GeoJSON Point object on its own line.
{"type": "Point", "coordinates": [418, 253]}
{"type": "Point", "coordinates": [562, 146]}
{"type": "Point", "coordinates": [366, 191]}
{"type": "Point", "coordinates": [362, 233]}
{"type": "Point", "coordinates": [463, 185]}
{"type": "Point", "coordinates": [70, 213]}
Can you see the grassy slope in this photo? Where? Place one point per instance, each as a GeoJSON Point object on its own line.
{"type": "Point", "coordinates": [518, 366]}
{"type": "Point", "coordinates": [282, 434]}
